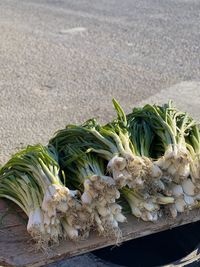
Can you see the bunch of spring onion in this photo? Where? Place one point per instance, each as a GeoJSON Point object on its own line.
{"type": "Point", "coordinates": [23, 191]}
{"type": "Point", "coordinates": [171, 127]}
{"type": "Point", "coordinates": [193, 145]}
{"type": "Point", "coordinates": [145, 201]}
{"type": "Point", "coordinates": [125, 164]}
{"type": "Point", "coordinates": [145, 208]}
{"type": "Point", "coordinates": [87, 172]}
{"type": "Point", "coordinates": [192, 187]}
{"type": "Point", "coordinates": [138, 172]}
{"type": "Point", "coordinates": [142, 136]}
{"type": "Point", "coordinates": [47, 202]}
{"type": "Point", "coordinates": [92, 137]}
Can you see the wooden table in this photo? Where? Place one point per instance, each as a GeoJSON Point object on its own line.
{"type": "Point", "coordinates": [17, 249]}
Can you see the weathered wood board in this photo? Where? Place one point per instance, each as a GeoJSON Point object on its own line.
{"type": "Point", "coordinates": [17, 249]}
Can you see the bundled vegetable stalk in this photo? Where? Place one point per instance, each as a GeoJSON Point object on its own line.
{"type": "Point", "coordinates": [171, 127]}
{"type": "Point", "coordinates": [129, 168]}
{"type": "Point", "coordinates": [142, 136]}
{"type": "Point", "coordinates": [192, 186]}
{"type": "Point", "coordinates": [92, 137]}
{"type": "Point", "coordinates": [193, 145]}
{"type": "Point", "coordinates": [125, 163]}
{"type": "Point", "coordinates": [142, 207]}
{"type": "Point", "coordinates": [145, 201]}
{"type": "Point", "coordinates": [47, 202]}
{"type": "Point", "coordinates": [99, 192]}
{"type": "Point", "coordinates": [23, 191]}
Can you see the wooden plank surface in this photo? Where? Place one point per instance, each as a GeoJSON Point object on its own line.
{"type": "Point", "coordinates": [17, 249]}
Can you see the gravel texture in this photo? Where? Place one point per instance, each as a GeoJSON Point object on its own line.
{"type": "Point", "coordinates": [63, 61]}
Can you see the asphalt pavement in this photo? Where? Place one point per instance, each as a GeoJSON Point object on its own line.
{"type": "Point", "coordinates": [63, 61]}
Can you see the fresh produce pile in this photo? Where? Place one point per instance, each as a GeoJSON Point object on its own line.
{"type": "Point", "coordinates": [90, 176]}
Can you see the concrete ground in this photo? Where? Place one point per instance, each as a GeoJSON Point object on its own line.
{"type": "Point", "coordinates": [63, 61]}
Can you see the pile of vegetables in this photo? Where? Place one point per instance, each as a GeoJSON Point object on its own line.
{"type": "Point", "coordinates": [88, 174]}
